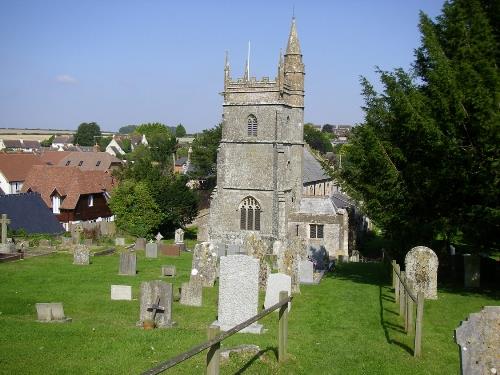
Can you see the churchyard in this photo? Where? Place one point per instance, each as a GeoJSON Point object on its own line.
{"type": "Point", "coordinates": [347, 324]}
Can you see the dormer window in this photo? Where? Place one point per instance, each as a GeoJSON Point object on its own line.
{"type": "Point", "coordinates": [56, 203]}
{"type": "Point", "coordinates": [80, 163]}
{"type": "Point", "coordinates": [98, 163]}
{"type": "Point", "coordinates": [91, 200]}
{"type": "Point", "coordinates": [252, 126]}
{"type": "Point", "coordinates": [68, 163]}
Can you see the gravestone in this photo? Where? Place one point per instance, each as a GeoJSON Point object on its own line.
{"type": "Point", "coordinates": [88, 242]}
{"type": "Point", "coordinates": [121, 292]}
{"type": "Point", "coordinates": [109, 251]}
{"type": "Point", "coordinates": [479, 341]}
{"type": "Point", "coordinates": [77, 233]}
{"type": "Point", "coordinates": [51, 313]}
{"type": "Point", "coordinates": [289, 259]}
{"type": "Point", "coordinates": [5, 247]}
{"type": "Point", "coordinates": [140, 244]}
{"type": "Point", "coordinates": [151, 250]}
{"type": "Point", "coordinates": [170, 250]}
{"type": "Point", "coordinates": [128, 264]}
{"type": "Point", "coordinates": [205, 263]}
{"type": "Point", "coordinates": [472, 271]}
{"type": "Point", "coordinates": [306, 272]}
{"type": "Point", "coordinates": [354, 256]}
{"type": "Point", "coordinates": [343, 259]}
{"type": "Point", "coordinates": [81, 255]}
{"type": "Point", "coordinates": [179, 236]}
{"type": "Point", "coordinates": [119, 241]}
{"type": "Point", "coordinates": [421, 266]}
{"type": "Point", "coordinates": [192, 292]}
{"type": "Point", "coordinates": [168, 270]}
{"type": "Point", "coordinates": [238, 292]}
{"type": "Point", "coordinates": [276, 283]}
{"type": "Point", "coordinates": [254, 246]}
{"type": "Point", "coordinates": [156, 303]}
{"type": "Point", "coordinates": [234, 249]}
{"type": "Point", "coordinates": [158, 237]}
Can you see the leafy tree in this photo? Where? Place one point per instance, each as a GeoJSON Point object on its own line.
{"type": "Point", "coordinates": [316, 139]}
{"type": "Point", "coordinates": [47, 142]}
{"type": "Point", "coordinates": [86, 134]}
{"type": "Point", "coordinates": [151, 129]}
{"type": "Point", "coordinates": [128, 129]}
{"type": "Point", "coordinates": [180, 131]}
{"type": "Point", "coordinates": [136, 211]}
{"type": "Point", "coordinates": [162, 147]}
{"type": "Point", "coordinates": [204, 156]}
{"type": "Point", "coordinates": [104, 142]}
{"type": "Point", "coordinates": [425, 161]}
{"type": "Point", "coordinates": [327, 128]}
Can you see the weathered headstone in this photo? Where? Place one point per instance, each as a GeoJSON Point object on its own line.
{"type": "Point", "coordinates": [81, 255]}
{"type": "Point", "coordinates": [354, 256]}
{"type": "Point", "coordinates": [421, 266]}
{"type": "Point", "coordinates": [51, 313]}
{"type": "Point", "coordinates": [192, 292]}
{"type": "Point", "coordinates": [276, 283]}
{"type": "Point", "coordinates": [205, 262]}
{"type": "Point", "coordinates": [151, 250]}
{"type": "Point", "coordinates": [119, 241]}
{"type": "Point", "coordinates": [343, 259]}
{"type": "Point", "coordinates": [108, 251]}
{"type": "Point", "coordinates": [306, 272]}
{"type": "Point", "coordinates": [479, 341]}
{"type": "Point", "coordinates": [472, 271]}
{"type": "Point", "coordinates": [168, 270]}
{"type": "Point", "coordinates": [179, 236]}
{"type": "Point", "coordinates": [170, 250]}
{"type": "Point", "coordinates": [156, 303]}
{"type": "Point", "coordinates": [121, 292]}
{"type": "Point", "coordinates": [128, 264]}
{"type": "Point", "coordinates": [254, 246]}
{"type": "Point", "coordinates": [238, 292]}
{"type": "Point", "coordinates": [77, 233]}
{"type": "Point", "coordinates": [5, 247]}
{"type": "Point", "coordinates": [288, 261]}
{"type": "Point", "coordinates": [140, 244]}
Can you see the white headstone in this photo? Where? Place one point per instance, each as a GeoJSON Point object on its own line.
{"type": "Point", "coordinates": [238, 292]}
{"type": "Point", "coordinates": [120, 241]}
{"type": "Point", "coordinates": [306, 272]}
{"type": "Point", "coordinates": [179, 236]}
{"type": "Point", "coordinates": [151, 250]}
{"type": "Point", "coordinates": [121, 292]}
{"type": "Point", "coordinates": [276, 283]}
{"type": "Point", "coordinates": [421, 266]}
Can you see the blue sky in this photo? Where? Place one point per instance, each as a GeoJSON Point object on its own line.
{"type": "Point", "coordinates": [119, 62]}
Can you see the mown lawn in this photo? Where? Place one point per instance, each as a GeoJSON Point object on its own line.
{"type": "Point", "coordinates": [346, 325]}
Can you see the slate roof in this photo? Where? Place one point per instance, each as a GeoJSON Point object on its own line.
{"type": "Point", "coordinates": [63, 139]}
{"type": "Point", "coordinates": [316, 205]}
{"type": "Point", "coordinates": [29, 211]}
{"type": "Point", "coordinates": [312, 170]}
{"type": "Point", "coordinates": [12, 143]}
{"type": "Point", "coordinates": [31, 144]}
{"type": "Point", "coordinates": [100, 161]}
{"type": "Point", "coordinates": [15, 166]}
{"type": "Point", "coordinates": [69, 182]}
{"type": "Point", "coordinates": [341, 200]}
{"type": "Point", "coordinates": [181, 161]}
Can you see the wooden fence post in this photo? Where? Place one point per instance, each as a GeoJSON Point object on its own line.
{"type": "Point", "coordinates": [394, 276]}
{"type": "Point", "coordinates": [398, 284]}
{"type": "Point", "coordinates": [418, 325]}
{"type": "Point", "coordinates": [213, 355]}
{"type": "Point", "coordinates": [283, 328]}
{"type": "Point", "coordinates": [409, 309]}
{"type": "Point", "coordinates": [402, 291]}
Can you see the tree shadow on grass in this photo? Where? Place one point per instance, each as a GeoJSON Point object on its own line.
{"type": "Point", "coordinates": [255, 357]}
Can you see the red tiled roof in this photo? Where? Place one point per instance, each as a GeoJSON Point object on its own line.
{"type": "Point", "coordinates": [15, 166]}
{"type": "Point", "coordinates": [53, 157]}
{"type": "Point", "coordinates": [90, 160]}
{"type": "Point", "coordinates": [70, 181]}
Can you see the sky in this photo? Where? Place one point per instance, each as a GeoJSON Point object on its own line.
{"type": "Point", "coordinates": [120, 62]}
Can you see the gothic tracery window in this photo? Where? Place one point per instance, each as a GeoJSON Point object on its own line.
{"type": "Point", "coordinates": [252, 126]}
{"type": "Point", "coordinates": [249, 214]}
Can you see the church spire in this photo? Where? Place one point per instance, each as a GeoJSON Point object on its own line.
{"type": "Point", "coordinates": [293, 47]}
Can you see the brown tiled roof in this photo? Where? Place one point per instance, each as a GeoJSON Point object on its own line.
{"type": "Point", "coordinates": [53, 157]}
{"type": "Point", "coordinates": [70, 181]}
{"type": "Point", "coordinates": [15, 167]}
{"type": "Point", "coordinates": [100, 161]}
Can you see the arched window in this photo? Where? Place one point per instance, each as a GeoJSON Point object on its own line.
{"type": "Point", "coordinates": [252, 126]}
{"type": "Point", "coordinates": [249, 214]}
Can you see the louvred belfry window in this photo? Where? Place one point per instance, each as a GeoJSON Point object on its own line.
{"type": "Point", "coordinates": [249, 214]}
{"type": "Point", "coordinates": [252, 126]}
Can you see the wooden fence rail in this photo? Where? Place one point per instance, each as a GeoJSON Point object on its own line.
{"type": "Point", "coordinates": [215, 338]}
{"type": "Point", "coordinates": [406, 298]}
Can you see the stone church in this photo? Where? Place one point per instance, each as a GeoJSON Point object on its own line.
{"type": "Point", "coordinates": [260, 164]}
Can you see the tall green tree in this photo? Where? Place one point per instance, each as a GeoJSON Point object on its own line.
{"type": "Point", "coordinates": [204, 156]}
{"type": "Point", "coordinates": [180, 131]}
{"type": "Point", "coordinates": [425, 163]}
{"type": "Point", "coordinates": [87, 134]}
{"type": "Point", "coordinates": [317, 139]}
{"type": "Point", "coordinates": [127, 129]}
{"type": "Point", "coordinates": [152, 128]}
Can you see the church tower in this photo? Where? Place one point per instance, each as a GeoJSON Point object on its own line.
{"type": "Point", "coordinates": [260, 157]}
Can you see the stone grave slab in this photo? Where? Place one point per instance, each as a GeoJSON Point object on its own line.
{"type": "Point", "coordinates": [170, 250]}
{"type": "Point", "coordinates": [151, 250]}
{"type": "Point", "coordinates": [205, 263]}
{"type": "Point", "coordinates": [140, 244]}
{"type": "Point", "coordinates": [128, 264]}
{"type": "Point", "coordinates": [156, 303]}
{"type": "Point", "coordinates": [192, 292]}
{"type": "Point", "coordinates": [276, 283]}
{"type": "Point", "coordinates": [109, 251]}
{"type": "Point", "coordinates": [421, 266]}
{"type": "Point", "coordinates": [121, 292]}
{"type": "Point", "coordinates": [81, 255]}
{"type": "Point", "coordinates": [168, 270]}
{"type": "Point", "coordinates": [479, 341]}
{"type": "Point", "coordinates": [238, 292]}
{"type": "Point", "coordinates": [119, 241]}
{"type": "Point", "coordinates": [306, 272]}
{"type": "Point", "coordinates": [52, 312]}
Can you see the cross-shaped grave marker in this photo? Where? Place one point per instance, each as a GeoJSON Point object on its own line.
{"type": "Point", "coordinates": [4, 221]}
{"type": "Point", "coordinates": [155, 307]}
{"type": "Point", "coordinates": [158, 237]}
{"type": "Point", "coordinates": [78, 231]}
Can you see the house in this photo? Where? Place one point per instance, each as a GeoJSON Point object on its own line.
{"type": "Point", "coordinates": [95, 161]}
{"type": "Point", "coordinates": [28, 211]}
{"type": "Point", "coordinates": [73, 194]}
{"type": "Point", "coordinates": [19, 145]}
{"type": "Point", "coordinates": [61, 141]}
{"type": "Point", "coordinates": [14, 168]}
{"type": "Point", "coordinates": [315, 181]}
{"type": "Point", "coordinates": [119, 144]}
{"type": "Point", "coordinates": [183, 164]}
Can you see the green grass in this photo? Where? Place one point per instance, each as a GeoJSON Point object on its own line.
{"type": "Point", "coordinates": [346, 325]}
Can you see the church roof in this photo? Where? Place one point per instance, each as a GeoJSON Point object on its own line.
{"type": "Point", "coordinates": [293, 47]}
{"type": "Point", "coordinates": [316, 205]}
{"type": "Point", "coordinates": [312, 170]}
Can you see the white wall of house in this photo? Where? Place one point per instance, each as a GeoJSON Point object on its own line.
{"type": "Point", "coordinates": [115, 144]}
{"type": "Point", "coordinates": [10, 187]}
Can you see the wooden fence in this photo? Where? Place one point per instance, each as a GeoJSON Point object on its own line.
{"type": "Point", "coordinates": [406, 298]}
{"type": "Point", "coordinates": [215, 338]}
